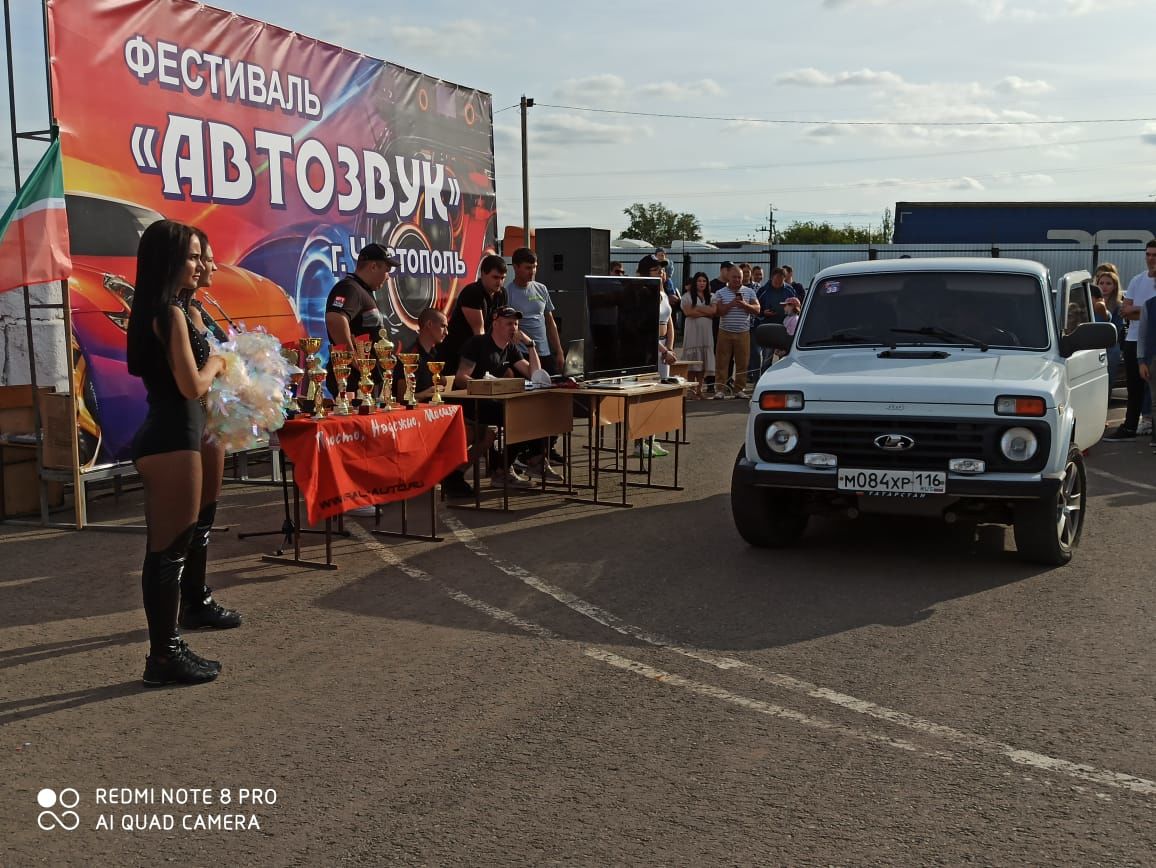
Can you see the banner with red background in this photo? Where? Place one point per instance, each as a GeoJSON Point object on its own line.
{"type": "Point", "coordinates": [347, 461]}
{"type": "Point", "coordinates": [291, 154]}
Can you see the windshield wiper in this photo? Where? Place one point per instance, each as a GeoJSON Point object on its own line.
{"type": "Point", "coordinates": [843, 337]}
{"type": "Point", "coordinates": [943, 335]}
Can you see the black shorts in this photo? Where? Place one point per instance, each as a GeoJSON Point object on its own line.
{"type": "Point", "coordinates": [171, 426]}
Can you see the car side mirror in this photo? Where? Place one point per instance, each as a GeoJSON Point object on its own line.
{"type": "Point", "coordinates": [1088, 336]}
{"type": "Point", "coordinates": [773, 336]}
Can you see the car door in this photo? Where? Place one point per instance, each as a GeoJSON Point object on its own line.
{"type": "Point", "coordinates": [1087, 369]}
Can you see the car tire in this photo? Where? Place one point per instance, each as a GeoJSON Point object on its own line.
{"type": "Point", "coordinates": [1048, 531]}
{"type": "Point", "coordinates": [770, 518]}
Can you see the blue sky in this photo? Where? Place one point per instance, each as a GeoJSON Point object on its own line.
{"type": "Point", "coordinates": [955, 94]}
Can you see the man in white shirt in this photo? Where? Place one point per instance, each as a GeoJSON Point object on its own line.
{"type": "Point", "coordinates": [1140, 289]}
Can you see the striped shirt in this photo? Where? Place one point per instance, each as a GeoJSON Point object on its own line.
{"type": "Point", "coordinates": [736, 319]}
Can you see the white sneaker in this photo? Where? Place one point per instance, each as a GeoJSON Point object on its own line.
{"type": "Point", "coordinates": [719, 395]}
{"type": "Point", "coordinates": [363, 511]}
{"type": "Point", "coordinates": [642, 449]}
{"type": "Point", "coordinates": [517, 480]}
{"type": "Point", "coordinates": [535, 470]}
{"type": "Point", "coordinates": [1145, 426]}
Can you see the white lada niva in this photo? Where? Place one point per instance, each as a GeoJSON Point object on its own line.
{"type": "Point", "coordinates": [965, 389]}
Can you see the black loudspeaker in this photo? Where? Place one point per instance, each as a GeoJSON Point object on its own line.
{"type": "Point", "coordinates": [565, 257]}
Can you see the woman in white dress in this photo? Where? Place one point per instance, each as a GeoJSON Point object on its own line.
{"type": "Point", "coordinates": [697, 338]}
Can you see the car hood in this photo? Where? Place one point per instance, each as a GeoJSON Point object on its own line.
{"type": "Point", "coordinates": [964, 377]}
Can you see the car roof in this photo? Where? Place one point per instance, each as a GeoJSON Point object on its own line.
{"type": "Point", "coordinates": [954, 264]}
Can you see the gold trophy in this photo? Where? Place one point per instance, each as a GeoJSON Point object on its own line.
{"type": "Point", "coordinates": [309, 348]}
{"type": "Point", "coordinates": [365, 385]}
{"type": "Point", "coordinates": [296, 375]}
{"type": "Point", "coordinates": [316, 381]}
{"type": "Point", "coordinates": [386, 360]}
{"type": "Point", "coordinates": [409, 364]}
{"type": "Point", "coordinates": [435, 369]}
{"type": "Point", "coordinates": [341, 368]}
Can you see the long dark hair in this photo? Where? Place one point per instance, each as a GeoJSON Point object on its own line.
{"type": "Point", "coordinates": [160, 259]}
{"type": "Point", "coordinates": [694, 296]}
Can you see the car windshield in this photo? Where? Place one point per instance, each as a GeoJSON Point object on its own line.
{"type": "Point", "coordinates": [973, 309]}
{"type": "Point", "coordinates": [105, 227]}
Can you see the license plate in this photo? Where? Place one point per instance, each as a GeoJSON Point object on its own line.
{"type": "Point", "coordinates": [893, 481]}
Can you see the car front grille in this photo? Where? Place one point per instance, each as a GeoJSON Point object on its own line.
{"type": "Point", "coordinates": [852, 440]}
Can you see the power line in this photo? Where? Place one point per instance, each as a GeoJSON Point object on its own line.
{"type": "Point", "coordinates": [838, 123]}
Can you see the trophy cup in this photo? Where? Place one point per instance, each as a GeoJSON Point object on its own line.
{"type": "Point", "coordinates": [316, 381]}
{"type": "Point", "coordinates": [365, 385]}
{"type": "Point", "coordinates": [308, 348]}
{"type": "Point", "coordinates": [383, 349]}
{"type": "Point", "coordinates": [341, 368]}
{"type": "Point", "coordinates": [296, 375]}
{"type": "Point", "coordinates": [409, 364]}
{"type": "Point", "coordinates": [435, 369]}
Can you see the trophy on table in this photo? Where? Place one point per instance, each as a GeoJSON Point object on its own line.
{"type": "Point", "coordinates": [341, 369]}
{"type": "Point", "coordinates": [308, 348]}
{"type": "Point", "coordinates": [435, 369]}
{"type": "Point", "coordinates": [365, 385]}
{"type": "Point", "coordinates": [296, 375]}
{"type": "Point", "coordinates": [316, 381]}
{"type": "Point", "coordinates": [383, 349]}
{"type": "Point", "coordinates": [409, 364]}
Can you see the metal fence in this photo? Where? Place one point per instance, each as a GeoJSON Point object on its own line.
{"type": "Point", "coordinates": [807, 259]}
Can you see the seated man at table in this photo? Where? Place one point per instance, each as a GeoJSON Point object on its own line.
{"type": "Point", "coordinates": [498, 354]}
{"type": "Point", "coordinates": [431, 333]}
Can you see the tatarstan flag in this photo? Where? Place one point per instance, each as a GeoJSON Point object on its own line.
{"type": "Point", "coordinates": [34, 229]}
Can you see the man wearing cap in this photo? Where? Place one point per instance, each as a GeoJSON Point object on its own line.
{"type": "Point", "coordinates": [498, 354]}
{"type": "Point", "coordinates": [351, 310]}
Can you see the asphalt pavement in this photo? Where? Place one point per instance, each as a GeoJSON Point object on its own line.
{"type": "Point", "coordinates": [586, 685]}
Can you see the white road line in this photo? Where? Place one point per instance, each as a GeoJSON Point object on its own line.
{"type": "Point", "coordinates": [619, 662]}
{"type": "Point", "coordinates": [767, 708]}
{"type": "Point", "coordinates": [1122, 479]}
{"type": "Point", "coordinates": [787, 682]}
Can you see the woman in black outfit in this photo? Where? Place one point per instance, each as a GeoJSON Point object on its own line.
{"type": "Point", "coordinates": [172, 358]}
{"type": "Point", "coordinates": [198, 608]}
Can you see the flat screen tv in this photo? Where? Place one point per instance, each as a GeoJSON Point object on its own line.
{"type": "Point", "coordinates": [621, 326]}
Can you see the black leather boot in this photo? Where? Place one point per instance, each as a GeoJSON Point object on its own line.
{"type": "Point", "coordinates": [198, 608]}
{"type": "Point", "coordinates": [169, 660]}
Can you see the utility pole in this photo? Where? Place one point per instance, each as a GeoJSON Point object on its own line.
{"type": "Point", "coordinates": [526, 104]}
{"type": "Point", "coordinates": [770, 230]}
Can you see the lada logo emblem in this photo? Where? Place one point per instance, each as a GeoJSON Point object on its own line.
{"type": "Point", "coordinates": [894, 442]}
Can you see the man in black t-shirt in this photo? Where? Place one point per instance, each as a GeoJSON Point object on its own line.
{"type": "Point", "coordinates": [498, 354]}
{"type": "Point", "coordinates": [429, 346]}
{"type": "Point", "coordinates": [351, 310]}
{"type": "Point", "coordinates": [474, 308]}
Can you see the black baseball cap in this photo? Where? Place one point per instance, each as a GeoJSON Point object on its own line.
{"type": "Point", "coordinates": [374, 252]}
{"type": "Point", "coordinates": [506, 312]}
{"type": "Point", "coordinates": [727, 264]}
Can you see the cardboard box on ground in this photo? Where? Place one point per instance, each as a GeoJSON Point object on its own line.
{"type": "Point", "coordinates": [21, 492]}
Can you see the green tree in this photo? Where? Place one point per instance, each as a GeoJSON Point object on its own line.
{"type": "Point", "coordinates": [823, 232]}
{"type": "Point", "coordinates": [659, 225]}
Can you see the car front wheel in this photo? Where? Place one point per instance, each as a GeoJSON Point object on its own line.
{"type": "Point", "coordinates": [1047, 531]}
{"type": "Point", "coordinates": [766, 517]}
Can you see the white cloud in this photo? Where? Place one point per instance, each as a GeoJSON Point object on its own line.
{"type": "Point", "coordinates": [568, 129]}
{"type": "Point", "coordinates": [464, 36]}
{"type": "Point", "coordinates": [1036, 10]}
{"type": "Point", "coordinates": [551, 214]}
{"type": "Point", "coordinates": [592, 88]}
{"type": "Point", "coordinates": [610, 87]}
{"type": "Point", "coordinates": [1149, 135]}
{"type": "Point", "coordinates": [1015, 84]}
{"type": "Point", "coordinates": [826, 133]}
{"type": "Point", "coordinates": [675, 91]}
{"type": "Point", "coordinates": [744, 125]}
{"type": "Point", "coordinates": [811, 77]}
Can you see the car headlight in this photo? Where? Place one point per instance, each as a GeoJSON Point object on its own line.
{"type": "Point", "coordinates": [782, 437]}
{"type": "Point", "coordinates": [1018, 444]}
